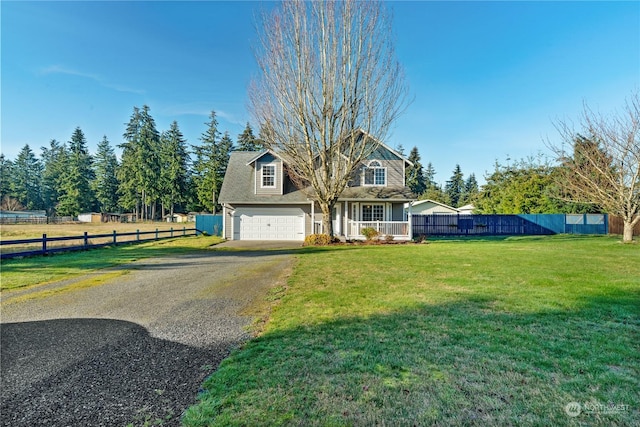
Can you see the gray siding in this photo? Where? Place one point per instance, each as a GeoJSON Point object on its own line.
{"type": "Point", "coordinates": [268, 159]}
{"type": "Point", "coordinates": [395, 173]}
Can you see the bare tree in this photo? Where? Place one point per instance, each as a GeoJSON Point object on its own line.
{"type": "Point", "coordinates": [329, 89]}
{"type": "Point", "coordinates": [604, 168]}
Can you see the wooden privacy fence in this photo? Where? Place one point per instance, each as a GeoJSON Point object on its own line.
{"type": "Point", "coordinates": [508, 225]}
{"type": "Point", "coordinates": [616, 226]}
{"type": "Point", "coordinates": [47, 245]}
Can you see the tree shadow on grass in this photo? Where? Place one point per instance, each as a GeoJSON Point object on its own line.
{"type": "Point", "coordinates": [94, 372]}
{"type": "Point", "coordinates": [465, 362]}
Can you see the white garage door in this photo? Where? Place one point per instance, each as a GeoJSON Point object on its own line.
{"type": "Point", "coordinates": [268, 224]}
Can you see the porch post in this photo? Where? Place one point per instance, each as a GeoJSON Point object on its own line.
{"type": "Point", "coordinates": [313, 217]}
{"type": "Point", "coordinates": [346, 220]}
{"type": "Point", "coordinates": [410, 222]}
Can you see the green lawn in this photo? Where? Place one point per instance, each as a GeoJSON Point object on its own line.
{"type": "Point", "coordinates": [484, 332]}
{"type": "Point", "coordinates": [18, 273]}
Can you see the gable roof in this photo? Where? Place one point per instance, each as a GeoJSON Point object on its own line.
{"type": "Point", "coordinates": [261, 154]}
{"type": "Point", "coordinates": [419, 202]}
{"type": "Point", "coordinates": [385, 146]}
{"type": "Point", "coordinates": [238, 183]}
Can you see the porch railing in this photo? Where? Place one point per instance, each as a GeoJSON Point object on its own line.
{"type": "Point", "coordinates": [393, 228]}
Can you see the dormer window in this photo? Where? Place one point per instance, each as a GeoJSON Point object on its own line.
{"type": "Point", "coordinates": [375, 174]}
{"type": "Point", "coordinates": [268, 176]}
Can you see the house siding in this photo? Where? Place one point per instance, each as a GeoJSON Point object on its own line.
{"type": "Point", "coordinates": [395, 173]}
{"type": "Point", "coordinates": [268, 159]}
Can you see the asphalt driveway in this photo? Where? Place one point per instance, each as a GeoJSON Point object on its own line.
{"type": "Point", "coordinates": [129, 345]}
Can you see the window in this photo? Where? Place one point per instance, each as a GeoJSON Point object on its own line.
{"type": "Point", "coordinates": [375, 174]}
{"type": "Point", "coordinates": [372, 212]}
{"type": "Point", "coordinates": [268, 175]}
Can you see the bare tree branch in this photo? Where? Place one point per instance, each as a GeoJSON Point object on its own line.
{"type": "Point", "coordinates": [329, 90]}
{"type": "Point", "coordinates": [604, 168]}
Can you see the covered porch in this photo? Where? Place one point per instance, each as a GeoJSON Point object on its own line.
{"type": "Point", "coordinates": [350, 217]}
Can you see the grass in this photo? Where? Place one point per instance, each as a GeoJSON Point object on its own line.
{"type": "Point", "coordinates": [19, 273]}
{"type": "Point", "coordinates": [494, 332]}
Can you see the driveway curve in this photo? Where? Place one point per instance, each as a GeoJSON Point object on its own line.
{"type": "Point", "coordinates": [129, 345]}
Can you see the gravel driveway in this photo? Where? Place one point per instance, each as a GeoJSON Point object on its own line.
{"type": "Point", "coordinates": [133, 347]}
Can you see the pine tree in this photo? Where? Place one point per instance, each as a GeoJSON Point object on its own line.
{"type": "Point", "coordinates": [76, 195]}
{"type": "Point", "coordinates": [6, 167]}
{"type": "Point", "coordinates": [247, 140]}
{"type": "Point", "coordinates": [174, 174]}
{"type": "Point", "coordinates": [455, 187]}
{"type": "Point", "coordinates": [26, 179]}
{"type": "Point", "coordinates": [105, 184]}
{"type": "Point", "coordinates": [139, 173]}
{"type": "Point", "coordinates": [212, 158]}
{"type": "Point", "coordinates": [415, 174]}
{"type": "Point", "coordinates": [471, 190]}
{"type": "Point", "coordinates": [430, 176]}
{"type": "Point", "coordinates": [54, 161]}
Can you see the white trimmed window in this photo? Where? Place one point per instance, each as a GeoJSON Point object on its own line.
{"type": "Point", "coordinates": [372, 212]}
{"type": "Point", "coordinates": [268, 176]}
{"type": "Point", "coordinates": [375, 174]}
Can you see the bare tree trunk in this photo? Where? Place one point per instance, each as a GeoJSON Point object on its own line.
{"type": "Point", "coordinates": [627, 235]}
{"type": "Point", "coordinates": [327, 221]}
{"type": "Point", "coordinates": [330, 88]}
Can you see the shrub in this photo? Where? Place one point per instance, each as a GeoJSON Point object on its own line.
{"type": "Point", "coordinates": [388, 238]}
{"type": "Point", "coordinates": [317, 240]}
{"type": "Point", "coordinates": [369, 233]}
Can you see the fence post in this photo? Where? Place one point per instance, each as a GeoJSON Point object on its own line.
{"type": "Point", "coordinates": [156, 234]}
{"type": "Point", "coordinates": [184, 231]}
{"type": "Point", "coordinates": [171, 232]}
{"type": "Point", "coordinates": [86, 239]}
{"type": "Point", "coordinates": [138, 235]}
{"type": "Point", "coordinates": [44, 244]}
{"type": "Point", "coordinates": [115, 235]}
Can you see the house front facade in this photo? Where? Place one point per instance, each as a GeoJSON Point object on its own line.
{"type": "Point", "coordinates": [260, 201]}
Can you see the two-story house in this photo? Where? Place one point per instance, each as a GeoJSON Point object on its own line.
{"type": "Point", "coordinates": [260, 201]}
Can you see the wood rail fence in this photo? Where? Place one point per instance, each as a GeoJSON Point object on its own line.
{"type": "Point", "coordinates": [47, 245]}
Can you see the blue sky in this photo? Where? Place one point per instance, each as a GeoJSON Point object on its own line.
{"type": "Point", "coordinates": [487, 78]}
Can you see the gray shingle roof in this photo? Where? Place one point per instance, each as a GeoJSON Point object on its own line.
{"type": "Point", "coordinates": [239, 186]}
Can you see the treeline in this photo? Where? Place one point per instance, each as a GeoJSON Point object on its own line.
{"type": "Point", "coordinates": [524, 186]}
{"type": "Point", "coordinates": [158, 172]}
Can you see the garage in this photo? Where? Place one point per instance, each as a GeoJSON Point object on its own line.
{"type": "Point", "coordinates": [268, 224]}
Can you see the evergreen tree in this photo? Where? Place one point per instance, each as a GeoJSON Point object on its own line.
{"type": "Point", "coordinates": [455, 187]}
{"type": "Point", "coordinates": [430, 176]}
{"type": "Point", "coordinates": [174, 174]}
{"type": "Point", "coordinates": [139, 173]}
{"type": "Point", "coordinates": [212, 158]}
{"type": "Point", "coordinates": [76, 195]}
{"type": "Point", "coordinates": [415, 174]}
{"type": "Point", "coordinates": [129, 197]}
{"type": "Point", "coordinates": [247, 140]}
{"type": "Point", "coordinates": [26, 179]}
{"type": "Point", "coordinates": [6, 167]}
{"type": "Point", "coordinates": [105, 184]}
{"type": "Point", "coordinates": [54, 161]}
{"type": "Point", "coordinates": [471, 190]}
{"type": "Point", "coordinates": [527, 186]}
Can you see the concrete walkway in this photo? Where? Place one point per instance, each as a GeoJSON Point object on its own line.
{"type": "Point", "coordinates": [260, 245]}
